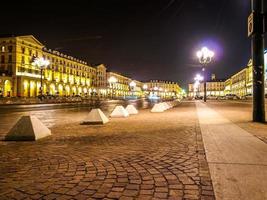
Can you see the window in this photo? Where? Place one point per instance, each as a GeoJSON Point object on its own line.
{"type": "Point", "coordinates": [10, 49]}
{"type": "Point", "coordinates": [9, 58]}
{"type": "Point", "coordinates": [23, 50]}
{"type": "Point", "coordinates": [3, 49]}
{"type": "Point", "coordinates": [30, 52]}
{"type": "Point", "coordinates": [22, 60]}
{"type": "Point", "coordinates": [2, 59]}
{"type": "Point", "coordinates": [9, 67]}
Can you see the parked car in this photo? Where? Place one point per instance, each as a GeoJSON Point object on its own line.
{"type": "Point", "coordinates": [211, 97]}
{"type": "Point", "coordinates": [231, 97]}
{"type": "Point", "coordinates": [247, 97]}
{"type": "Point", "coordinates": [221, 97]}
{"type": "Point", "coordinates": [198, 97]}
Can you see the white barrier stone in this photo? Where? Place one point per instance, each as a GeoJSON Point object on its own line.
{"type": "Point", "coordinates": [96, 116]}
{"type": "Point", "coordinates": [119, 111]}
{"type": "Point", "coordinates": [28, 128]}
{"type": "Point", "coordinates": [131, 110]}
{"type": "Point", "coordinates": [158, 108]}
{"type": "Point", "coordinates": [166, 106]}
{"type": "Point", "coordinates": [170, 104]}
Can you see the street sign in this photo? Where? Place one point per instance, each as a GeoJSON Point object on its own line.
{"type": "Point", "coordinates": [250, 24]}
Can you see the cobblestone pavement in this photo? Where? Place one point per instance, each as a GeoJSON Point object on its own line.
{"type": "Point", "coordinates": [147, 156]}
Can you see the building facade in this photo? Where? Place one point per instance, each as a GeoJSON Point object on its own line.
{"type": "Point", "coordinates": [239, 84]}
{"type": "Point", "coordinates": [214, 88]}
{"type": "Point", "coordinates": [120, 87]}
{"type": "Point", "coordinates": [64, 76]}
{"type": "Point", "coordinates": [163, 89]}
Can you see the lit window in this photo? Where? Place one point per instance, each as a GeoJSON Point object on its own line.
{"type": "Point", "coordinates": [3, 49]}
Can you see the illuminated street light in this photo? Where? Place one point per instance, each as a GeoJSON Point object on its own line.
{"type": "Point", "coordinates": [205, 57]}
{"type": "Point", "coordinates": [145, 87]}
{"type": "Point", "coordinates": [198, 77]}
{"type": "Point", "coordinates": [42, 64]}
{"type": "Point", "coordinates": [132, 86]}
{"type": "Point", "coordinates": [112, 80]}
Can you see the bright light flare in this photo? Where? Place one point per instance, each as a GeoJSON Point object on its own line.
{"type": "Point", "coordinates": [205, 55]}
{"type": "Point", "coordinates": [112, 79]}
{"type": "Point", "coordinates": [145, 87]}
{"type": "Point", "coordinates": [132, 84]}
{"type": "Point", "coordinates": [198, 77]}
{"type": "Point", "coordinates": [41, 62]}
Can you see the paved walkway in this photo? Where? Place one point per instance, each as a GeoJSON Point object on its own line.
{"type": "Point", "coordinates": [237, 159]}
{"type": "Point", "coordinates": [146, 156]}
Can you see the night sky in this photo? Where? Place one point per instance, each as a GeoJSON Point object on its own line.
{"type": "Point", "coordinates": [144, 39]}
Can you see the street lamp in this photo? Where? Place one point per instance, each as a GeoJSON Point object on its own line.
{"type": "Point", "coordinates": [145, 87]}
{"type": "Point", "coordinates": [198, 78]}
{"type": "Point", "coordinates": [132, 86]}
{"type": "Point", "coordinates": [112, 80]}
{"type": "Point", "coordinates": [160, 92]}
{"type": "Point", "coordinates": [205, 57]}
{"type": "Point", "coordinates": [42, 64]}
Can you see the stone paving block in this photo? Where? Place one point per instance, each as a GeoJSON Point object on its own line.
{"type": "Point", "coordinates": [161, 195]}
{"type": "Point", "coordinates": [114, 195]}
{"type": "Point", "coordinates": [130, 193]}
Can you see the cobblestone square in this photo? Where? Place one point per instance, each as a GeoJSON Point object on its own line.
{"type": "Point", "coordinates": [147, 156]}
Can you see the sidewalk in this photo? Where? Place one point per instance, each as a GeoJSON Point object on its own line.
{"type": "Point", "coordinates": [237, 160]}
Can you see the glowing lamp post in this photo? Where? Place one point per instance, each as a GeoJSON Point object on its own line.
{"type": "Point", "coordinates": [132, 86]}
{"type": "Point", "coordinates": [205, 57]}
{"type": "Point", "coordinates": [198, 78]}
{"type": "Point", "coordinates": [145, 87]}
{"type": "Point", "coordinates": [42, 64]}
{"type": "Point", "coordinates": [112, 80]}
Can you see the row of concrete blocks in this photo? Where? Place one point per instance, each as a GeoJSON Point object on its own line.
{"type": "Point", "coordinates": [161, 107]}
{"type": "Point", "coordinates": [31, 128]}
{"type": "Point", "coordinates": [96, 116]}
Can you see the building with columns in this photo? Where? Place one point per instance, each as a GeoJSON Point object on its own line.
{"type": "Point", "coordinates": [118, 85]}
{"type": "Point", "coordinates": [163, 89]}
{"type": "Point", "coordinates": [239, 84]}
{"type": "Point", "coordinates": [215, 87]}
{"type": "Point", "coordinates": [64, 75]}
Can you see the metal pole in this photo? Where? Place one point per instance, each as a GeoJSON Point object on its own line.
{"type": "Point", "coordinates": [41, 89]}
{"type": "Point", "coordinates": [257, 44]}
{"type": "Point", "coordinates": [111, 90]}
{"type": "Point", "coordinates": [205, 83]}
